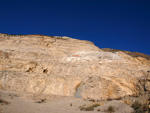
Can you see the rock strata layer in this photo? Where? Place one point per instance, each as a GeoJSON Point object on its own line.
{"type": "Point", "coordinates": [69, 67]}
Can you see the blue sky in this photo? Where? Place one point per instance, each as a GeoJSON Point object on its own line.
{"type": "Point", "coordinates": [117, 24]}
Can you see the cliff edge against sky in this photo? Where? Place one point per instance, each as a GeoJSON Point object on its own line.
{"type": "Point", "coordinates": [69, 67]}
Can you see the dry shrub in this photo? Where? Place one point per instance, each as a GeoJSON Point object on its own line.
{"type": "Point", "coordinates": [4, 102]}
{"type": "Point", "coordinates": [89, 108]}
{"type": "Point", "coordinates": [110, 109]}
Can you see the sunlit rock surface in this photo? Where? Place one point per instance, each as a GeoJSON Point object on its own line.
{"type": "Point", "coordinates": [69, 67]}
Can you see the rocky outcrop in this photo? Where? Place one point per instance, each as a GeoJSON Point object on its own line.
{"type": "Point", "coordinates": [69, 67]}
{"type": "Point", "coordinates": [133, 54]}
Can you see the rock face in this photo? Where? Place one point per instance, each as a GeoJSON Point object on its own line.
{"type": "Point", "coordinates": [69, 67]}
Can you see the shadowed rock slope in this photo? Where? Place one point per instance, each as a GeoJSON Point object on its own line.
{"type": "Point", "coordinates": [69, 67]}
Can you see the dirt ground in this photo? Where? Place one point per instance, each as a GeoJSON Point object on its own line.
{"type": "Point", "coordinates": [12, 102]}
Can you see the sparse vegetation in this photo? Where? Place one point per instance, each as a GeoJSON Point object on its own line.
{"type": "Point", "coordinates": [13, 95]}
{"type": "Point", "coordinates": [137, 107]}
{"type": "Point", "coordinates": [110, 109]}
{"type": "Point", "coordinates": [92, 100]}
{"type": "Point", "coordinates": [98, 110]}
{"type": "Point", "coordinates": [60, 37]}
{"type": "Point", "coordinates": [89, 108]}
{"type": "Point", "coordinates": [70, 104]}
{"type": "Point", "coordinates": [40, 101]}
{"type": "Point", "coordinates": [4, 102]}
{"type": "Point", "coordinates": [133, 54]}
{"type": "Point", "coordinates": [8, 35]}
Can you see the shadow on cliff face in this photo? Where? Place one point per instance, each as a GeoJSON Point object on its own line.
{"type": "Point", "coordinates": [78, 91]}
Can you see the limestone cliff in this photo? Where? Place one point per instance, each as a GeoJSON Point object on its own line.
{"type": "Point", "coordinates": [69, 67]}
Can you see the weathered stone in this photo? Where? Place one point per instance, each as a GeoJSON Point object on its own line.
{"type": "Point", "coordinates": [147, 86]}
{"type": "Point", "coordinates": [59, 65]}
